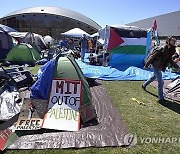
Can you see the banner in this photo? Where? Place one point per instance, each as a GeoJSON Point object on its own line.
{"type": "Point", "coordinates": [4, 136]}
{"type": "Point", "coordinates": [32, 114]}
{"type": "Point", "coordinates": [63, 105]}
{"type": "Point", "coordinates": [7, 132]}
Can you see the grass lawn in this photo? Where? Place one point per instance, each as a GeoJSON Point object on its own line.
{"type": "Point", "coordinates": [146, 120]}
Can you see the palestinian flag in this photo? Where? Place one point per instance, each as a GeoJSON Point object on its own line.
{"type": "Point", "coordinates": [8, 133]}
{"type": "Point", "coordinates": [126, 45]}
{"type": "Point", "coordinates": [127, 41]}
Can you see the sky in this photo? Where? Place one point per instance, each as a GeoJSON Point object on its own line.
{"type": "Point", "coordinates": [111, 12]}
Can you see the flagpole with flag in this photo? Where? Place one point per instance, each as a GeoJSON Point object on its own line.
{"type": "Point", "coordinates": [155, 32]}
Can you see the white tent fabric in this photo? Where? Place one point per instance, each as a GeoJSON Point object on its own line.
{"type": "Point", "coordinates": [126, 27]}
{"type": "Point", "coordinates": [48, 39]}
{"type": "Point", "coordinates": [7, 29]}
{"type": "Point", "coordinates": [23, 34]}
{"type": "Point", "coordinates": [18, 34]}
{"type": "Point", "coordinates": [75, 32]}
{"type": "Point", "coordinates": [95, 34]}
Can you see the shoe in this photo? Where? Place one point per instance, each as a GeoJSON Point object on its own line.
{"type": "Point", "coordinates": [143, 87]}
{"type": "Point", "coordinates": [162, 101]}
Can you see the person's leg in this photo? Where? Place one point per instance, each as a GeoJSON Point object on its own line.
{"type": "Point", "coordinates": [146, 83]}
{"type": "Point", "coordinates": [82, 54]}
{"type": "Point", "coordinates": [160, 84]}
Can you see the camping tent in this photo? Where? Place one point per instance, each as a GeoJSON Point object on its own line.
{"type": "Point", "coordinates": [126, 44]}
{"type": "Point", "coordinates": [6, 44]}
{"type": "Point", "coordinates": [75, 32]}
{"type": "Point", "coordinates": [61, 68]}
{"type": "Point", "coordinates": [33, 39]}
{"type": "Point", "coordinates": [7, 29]}
{"type": "Point", "coordinates": [19, 35]}
{"type": "Point", "coordinates": [23, 54]}
{"type": "Point", "coordinates": [48, 40]}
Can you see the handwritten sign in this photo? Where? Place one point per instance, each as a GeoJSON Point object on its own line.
{"type": "Point", "coordinates": [30, 118]}
{"type": "Point", "coordinates": [29, 124]}
{"type": "Point", "coordinates": [63, 106]}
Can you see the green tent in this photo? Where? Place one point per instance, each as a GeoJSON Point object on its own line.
{"type": "Point", "coordinates": [6, 44]}
{"type": "Point", "coordinates": [67, 68]}
{"type": "Point", "coordinates": [23, 54]}
{"type": "Point", "coordinates": [63, 68]}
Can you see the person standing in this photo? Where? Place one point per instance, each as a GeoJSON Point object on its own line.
{"type": "Point", "coordinates": [90, 44]}
{"type": "Point", "coordinates": [160, 63]}
{"type": "Point", "coordinates": [83, 42]}
{"type": "Point", "coordinates": [71, 44]}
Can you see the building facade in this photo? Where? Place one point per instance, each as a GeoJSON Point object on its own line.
{"type": "Point", "coordinates": [168, 24]}
{"type": "Point", "coordinates": [49, 21]}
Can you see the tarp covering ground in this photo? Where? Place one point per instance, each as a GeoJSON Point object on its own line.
{"type": "Point", "coordinates": [110, 73]}
{"type": "Point", "coordinates": [107, 130]}
{"type": "Point", "coordinates": [171, 94]}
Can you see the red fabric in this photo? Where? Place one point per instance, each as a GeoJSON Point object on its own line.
{"type": "Point", "coordinates": [155, 25]}
{"type": "Point", "coordinates": [4, 136]}
{"type": "Point", "coordinates": [114, 40]}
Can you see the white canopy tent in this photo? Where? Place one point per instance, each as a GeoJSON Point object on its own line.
{"type": "Point", "coordinates": [95, 35]}
{"type": "Point", "coordinates": [75, 32]}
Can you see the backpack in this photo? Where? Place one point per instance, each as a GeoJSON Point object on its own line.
{"type": "Point", "coordinates": [153, 53]}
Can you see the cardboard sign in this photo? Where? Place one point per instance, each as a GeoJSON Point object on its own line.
{"type": "Point", "coordinates": [32, 114]}
{"type": "Point", "coordinates": [63, 105]}
{"type": "Point", "coordinates": [29, 124]}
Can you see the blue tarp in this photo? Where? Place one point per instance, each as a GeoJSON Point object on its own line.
{"type": "Point", "coordinates": [126, 60]}
{"type": "Point", "coordinates": [110, 73]}
{"type": "Point", "coordinates": [40, 89]}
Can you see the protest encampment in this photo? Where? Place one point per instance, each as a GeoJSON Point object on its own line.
{"type": "Point", "coordinates": [70, 84]}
